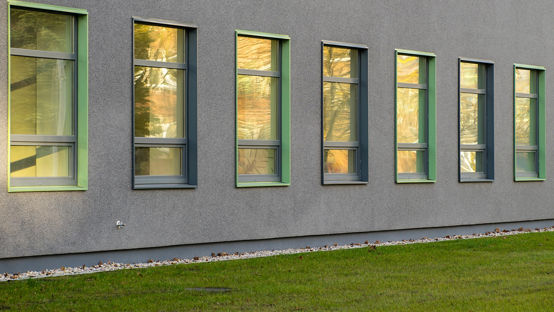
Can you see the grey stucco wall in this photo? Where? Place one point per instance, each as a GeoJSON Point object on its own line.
{"type": "Point", "coordinates": [505, 32]}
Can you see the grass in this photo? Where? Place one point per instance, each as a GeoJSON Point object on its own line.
{"type": "Point", "coordinates": [510, 273]}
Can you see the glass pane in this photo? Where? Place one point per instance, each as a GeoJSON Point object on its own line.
{"type": "Point", "coordinates": [40, 161]}
{"type": "Point", "coordinates": [411, 161]}
{"type": "Point", "coordinates": [340, 62]}
{"type": "Point", "coordinates": [159, 103]}
{"type": "Point", "coordinates": [471, 161]}
{"type": "Point", "coordinates": [526, 131]}
{"type": "Point", "coordinates": [340, 161]}
{"type": "Point", "coordinates": [410, 117]}
{"type": "Point", "coordinates": [340, 112]}
{"type": "Point", "coordinates": [257, 107]}
{"type": "Point", "coordinates": [257, 161]}
{"type": "Point", "coordinates": [158, 161]}
{"type": "Point", "coordinates": [469, 75]}
{"type": "Point", "coordinates": [526, 162]}
{"type": "Point", "coordinates": [159, 43]}
{"type": "Point", "coordinates": [39, 30]}
{"type": "Point", "coordinates": [41, 93]}
{"type": "Point", "coordinates": [411, 69]}
{"type": "Point", "coordinates": [526, 81]}
{"type": "Point", "coordinates": [472, 115]}
{"type": "Point", "coordinates": [257, 53]}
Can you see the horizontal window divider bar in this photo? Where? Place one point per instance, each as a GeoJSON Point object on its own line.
{"type": "Point", "coordinates": [336, 177]}
{"type": "Point", "coordinates": [258, 178]}
{"type": "Point", "coordinates": [160, 180]}
{"type": "Point", "coordinates": [344, 44]}
{"type": "Point", "coordinates": [473, 91]}
{"type": "Point", "coordinates": [341, 80]}
{"type": "Point", "coordinates": [412, 85]}
{"type": "Point", "coordinates": [473, 147]}
{"type": "Point", "coordinates": [272, 143]}
{"type": "Point", "coordinates": [523, 148]}
{"type": "Point", "coordinates": [42, 181]}
{"type": "Point", "coordinates": [42, 54]}
{"type": "Point", "coordinates": [413, 175]}
{"type": "Point", "coordinates": [527, 95]}
{"type": "Point", "coordinates": [42, 138]}
{"type": "Point", "coordinates": [411, 146]}
{"type": "Point", "coordinates": [156, 21]}
{"type": "Point", "coordinates": [334, 144]}
{"type": "Point", "coordinates": [253, 72]}
{"type": "Point", "coordinates": [147, 63]}
{"type": "Point", "coordinates": [160, 141]}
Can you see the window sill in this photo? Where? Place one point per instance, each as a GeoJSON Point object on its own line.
{"type": "Point", "coordinates": [20, 189]}
{"type": "Point", "coordinates": [407, 181]}
{"type": "Point", "coordinates": [469, 180]}
{"type": "Point", "coordinates": [344, 182]}
{"type": "Point", "coordinates": [261, 184]}
{"type": "Point", "coordinates": [529, 179]}
{"type": "Point", "coordinates": [163, 186]}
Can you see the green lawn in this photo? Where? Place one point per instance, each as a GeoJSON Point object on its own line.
{"type": "Point", "coordinates": [511, 273]}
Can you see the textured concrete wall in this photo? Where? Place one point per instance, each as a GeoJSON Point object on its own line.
{"type": "Point", "coordinates": [506, 32]}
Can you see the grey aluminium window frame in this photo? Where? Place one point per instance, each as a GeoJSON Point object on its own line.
{"type": "Point", "coordinates": [488, 146]}
{"type": "Point", "coordinates": [188, 177]}
{"type": "Point", "coordinates": [361, 146]}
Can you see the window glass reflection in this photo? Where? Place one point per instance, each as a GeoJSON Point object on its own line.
{"type": "Point", "coordinates": [257, 161]}
{"type": "Point", "coordinates": [340, 161]}
{"type": "Point", "coordinates": [159, 102]}
{"type": "Point", "coordinates": [340, 62]}
{"type": "Point", "coordinates": [340, 112]}
{"type": "Point", "coordinates": [257, 53]}
{"type": "Point", "coordinates": [159, 43]}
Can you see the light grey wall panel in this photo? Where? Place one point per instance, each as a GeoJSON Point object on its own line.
{"type": "Point", "coordinates": [70, 222]}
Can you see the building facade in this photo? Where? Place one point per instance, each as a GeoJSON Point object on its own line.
{"type": "Point", "coordinates": [204, 125]}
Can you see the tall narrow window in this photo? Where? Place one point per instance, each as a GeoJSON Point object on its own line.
{"type": "Point", "coordinates": [344, 100]}
{"type": "Point", "coordinates": [529, 123]}
{"type": "Point", "coordinates": [164, 105]}
{"type": "Point", "coordinates": [415, 117]}
{"type": "Point", "coordinates": [476, 121]}
{"type": "Point", "coordinates": [48, 98]}
{"type": "Point", "coordinates": [262, 90]}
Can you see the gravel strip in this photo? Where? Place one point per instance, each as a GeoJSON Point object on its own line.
{"type": "Point", "coordinates": [223, 256]}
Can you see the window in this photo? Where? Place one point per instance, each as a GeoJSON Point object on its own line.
{"type": "Point", "coordinates": [344, 113]}
{"type": "Point", "coordinates": [48, 98]}
{"type": "Point", "coordinates": [476, 121]}
{"type": "Point", "coordinates": [415, 117]}
{"type": "Point", "coordinates": [164, 105]}
{"type": "Point", "coordinates": [529, 123]}
{"type": "Point", "coordinates": [263, 109]}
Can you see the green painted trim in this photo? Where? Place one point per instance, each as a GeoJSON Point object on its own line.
{"type": "Point", "coordinates": [431, 120]}
{"type": "Point", "coordinates": [285, 159]}
{"type": "Point", "coordinates": [82, 101]}
{"type": "Point", "coordinates": [8, 87]}
{"type": "Point", "coordinates": [407, 181]}
{"type": "Point", "coordinates": [48, 7]}
{"type": "Point", "coordinates": [413, 52]}
{"type": "Point", "coordinates": [541, 124]}
{"type": "Point", "coordinates": [431, 117]}
{"type": "Point", "coordinates": [260, 34]}
{"type": "Point", "coordinates": [529, 179]}
{"type": "Point", "coordinates": [536, 67]}
{"type": "Point", "coordinates": [21, 189]}
{"type": "Point", "coordinates": [261, 184]}
{"type": "Point", "coordinates": [285, 112]}
{"type": "Point", "coordinates": [81, 148]}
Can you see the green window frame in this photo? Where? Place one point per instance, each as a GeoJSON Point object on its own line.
{"type": "Point", "coordinates": [415, 138]}
{"type": "Point", "coordinates": [529, 123]}
{"type": "Point", "coordinates": [164, 104]}
{"type": "Point", "coordinates": [344, 126]}
{"type": "Point", "coordinates": [49, 143]}
{"type": "Point", "coordinates": [278, 172]}
{"type": "Point", "coordinates": [475, 120]}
